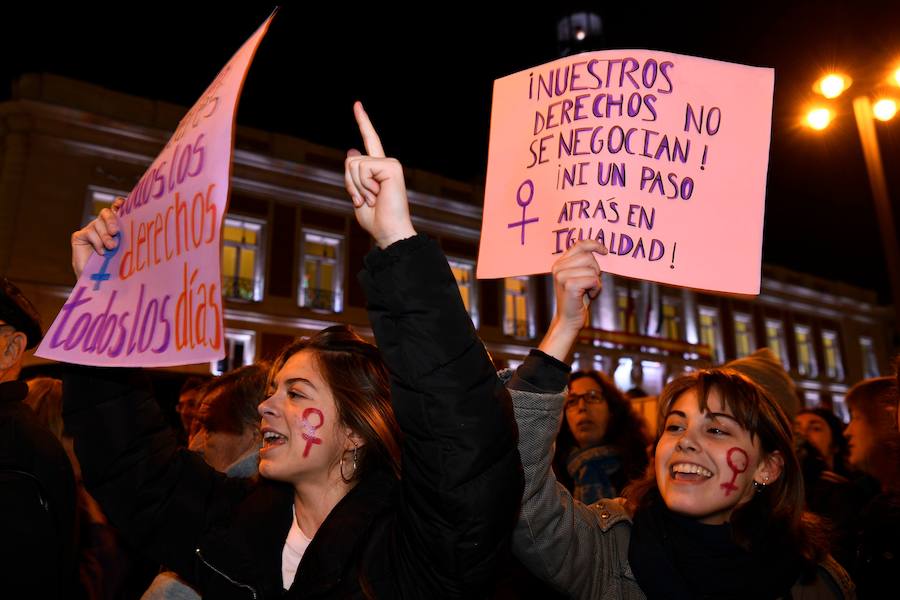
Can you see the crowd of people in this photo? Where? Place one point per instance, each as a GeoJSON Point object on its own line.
{"type": "Point", "coordinates": [412, 468]}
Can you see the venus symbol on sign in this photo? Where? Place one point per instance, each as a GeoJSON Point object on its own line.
{"type": "Point", "coordinates": [524, 204]}
{"type": "Point", "coordinates": [102, 274]}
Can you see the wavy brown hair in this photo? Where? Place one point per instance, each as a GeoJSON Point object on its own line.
{"type": "Point", "coordinates": [776, 514]}
{"type": "Point", "coordinates": [358, 378]}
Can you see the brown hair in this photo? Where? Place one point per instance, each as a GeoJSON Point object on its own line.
{"type": "Point", "coordinates": [229, 402]}
{"type": "Point", "coordinates": [779, 507]}
{"type": "Point", "coordinates": [360, 384]}
{"type": "Point", "coordinates": [876, 401]}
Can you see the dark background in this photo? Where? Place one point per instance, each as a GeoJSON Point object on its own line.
{"type": "Point", "coordinates": [435, 64]}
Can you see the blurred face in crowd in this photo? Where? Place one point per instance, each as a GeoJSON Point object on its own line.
{"type": "Point", "coordinates": [587, 412]}
{"type": "Point", "coordinates": [706, 462]}
{"type": "Point", "coordinates": [860, 439]}
{"type": "Point", "coordinates": [220, 449]}
{"type": "Point", "coordinates": [814, 428]}
{"type": "Point", "coordinates": [302, 435]}
{"type": "Point", "coordinates": [187, 407]}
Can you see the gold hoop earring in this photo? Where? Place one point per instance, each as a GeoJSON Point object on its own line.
{"type": "Point", "coordinates": [355, 464]}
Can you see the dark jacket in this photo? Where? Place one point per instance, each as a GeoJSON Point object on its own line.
{"type": "Point", "coordinates": [37, 504]}
{"type": "Point", "coordinates": [878, 546]}
{"type": "Point", "coordinates": [438, 533]}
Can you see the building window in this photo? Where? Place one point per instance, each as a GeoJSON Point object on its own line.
{"type": "Point", "coordinates": [839, 407]}
{"type": "Point", "coordinates": [626, 313]}
{"type": "Point", "coordinates": [242, 265]}
{"type": "Point", "coordinates": [622, 374]}
{"type": "Point", "coordinates": [464, 272]}
{"type": "Point", "coordinates": [811, 399]}
{"type": "Point", "coordinates": [671, 319]}
{"type": "Point", "coordinates": [321, 281]}
{"type": "Point", "coordinates": [775, 341]}
{"type": "Point", "coordinates": [710, 332]}
{"type": "Point", "coordinates": [97, 199]}
{"type": "Point", "coordinates": [516, 311]}
{"type": "Point", "coordinates": [240, 350]}
{"type": "Point", "coordinates": [870, 362]}
{"type": "Point", "coordinates": [806, 355]}
{"type": "Point", "coordinates": [834, 366]}
{"type": "Point", "coordinates": [744, 343]}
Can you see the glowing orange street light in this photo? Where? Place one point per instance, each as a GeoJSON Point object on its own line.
{"type": "Point", "coordinates": [818, 118]}
{"type": "Point", "coordinates": [884, 109]}
{"type": "Point", "coordinates": [831, 86]}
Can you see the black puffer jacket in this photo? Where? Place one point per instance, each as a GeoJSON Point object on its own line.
{"type": "Point", "coordinates": [438, 533]}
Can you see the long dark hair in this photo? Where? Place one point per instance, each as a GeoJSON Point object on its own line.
{"type": "Point", "coordinates": [779, 507]}
{"type": "Point", "coordinates": [359, 381]}
{"type": "Point", "coordinates": [625, 431]}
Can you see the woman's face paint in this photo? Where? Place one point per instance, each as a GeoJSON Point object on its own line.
{"type": "Point", "coordinates": [309, 430]}
{"type": "Point", "coordinates": [737, 460]}
{"type": "Point", "coordinates": [702, 453]}
{"type": "Point", "coordinates": [299, 415]}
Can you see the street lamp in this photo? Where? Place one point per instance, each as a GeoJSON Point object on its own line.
{"type": "Point", "coordinates": [884, 108]}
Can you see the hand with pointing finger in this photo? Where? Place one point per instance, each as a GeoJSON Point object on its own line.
{"type": "Point", "coordinates": [375, 184]}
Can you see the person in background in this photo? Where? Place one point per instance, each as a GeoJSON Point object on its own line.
{"type": "Point", "coordinates": [228, 435]}
{"type": "Point", "coordinates": [602, 444]}
{"type": "Point", "coordinates": [874, 445]}
{"type": "Point", "coordinates": [824, 430]}
{"type": "Point", "coordinates": [102, 563]}
{"type": "Point", "coordinates": [830, 491]}
{"type": "Point", "coordinates": [228, 439]}
{"type": "Point", "coordinates": [188, 403]}
{"type": "Point", "coordinates": [38, 535]}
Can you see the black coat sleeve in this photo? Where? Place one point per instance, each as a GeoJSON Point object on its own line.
{"type": "Point", "coordinates": [462, 477]}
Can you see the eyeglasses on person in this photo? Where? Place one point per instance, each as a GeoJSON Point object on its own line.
{"type": "Point", "coordinates": [589, 397]}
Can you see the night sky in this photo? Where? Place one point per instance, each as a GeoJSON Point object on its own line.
{"type": "Point", "coordinates": [419, 66]}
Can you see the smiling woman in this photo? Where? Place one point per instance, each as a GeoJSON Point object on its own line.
{"type": "Point", "coordinates": [719, 513]}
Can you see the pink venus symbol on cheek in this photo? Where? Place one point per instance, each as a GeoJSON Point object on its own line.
{"type": "Point", "coordinates": [738, 465]}
{"type": "Point", "coordinates": [309, 430]}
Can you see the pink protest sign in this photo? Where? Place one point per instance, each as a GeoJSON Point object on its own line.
{"type": "Point", "coordinates": [156, 299]}
{"type": "Point", "coordinates": [659, 156]}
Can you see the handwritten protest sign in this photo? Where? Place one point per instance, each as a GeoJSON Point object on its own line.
{"type": "Point", "coordinates": [660, 157]}
{"type": "Point", "coordinates": [156, 299]}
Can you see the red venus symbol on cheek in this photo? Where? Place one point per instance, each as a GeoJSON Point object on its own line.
{"type": "Point", "coordinates": [738, 465]}
{"type": "Point", "coordinates": [309, 430]}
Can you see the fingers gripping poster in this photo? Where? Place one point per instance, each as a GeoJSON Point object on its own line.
{"type": "Point", "coordinates": [660, 157]}
{"type": "Point", "coordinates": [156, 299]}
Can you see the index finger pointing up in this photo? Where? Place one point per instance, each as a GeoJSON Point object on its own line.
{"type": "Point", "coordinates": [369, 135]}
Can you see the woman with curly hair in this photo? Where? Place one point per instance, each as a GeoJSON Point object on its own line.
{"type": "Point", "coordinates": [602, 444]}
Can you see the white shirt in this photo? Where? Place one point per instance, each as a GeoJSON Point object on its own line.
{"type": "Point", "coordinates": [294, 547]}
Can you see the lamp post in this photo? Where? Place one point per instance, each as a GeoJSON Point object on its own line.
{"type": "Point", "coordinates": [831, 86]}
